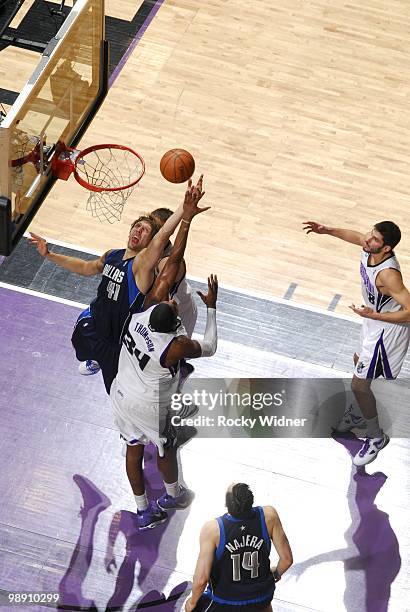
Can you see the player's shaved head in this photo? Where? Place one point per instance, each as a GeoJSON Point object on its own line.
{"type": "Point", "coordinates": [164, 318]}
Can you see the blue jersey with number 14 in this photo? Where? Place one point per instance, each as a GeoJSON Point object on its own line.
{"type": "Point", "coordinates": [241, 573]}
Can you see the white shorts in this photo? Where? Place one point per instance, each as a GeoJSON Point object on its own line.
{"type": "Point", "coordinates": [383, 349]}
{"type": "Point", "coordinates": [141, 423]}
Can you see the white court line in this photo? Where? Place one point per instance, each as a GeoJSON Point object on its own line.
{"type": "Point", "coordinates": [44, 296]}
{"type": "Point", "coordinates": [67, 245]}
{"type": "Point", "coordinates": [231, 354]}
{"type": "Point", "coordinates": [255, 294]}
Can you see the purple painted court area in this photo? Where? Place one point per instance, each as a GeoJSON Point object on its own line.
{"type": "Point", "coordinates": [67, 513]}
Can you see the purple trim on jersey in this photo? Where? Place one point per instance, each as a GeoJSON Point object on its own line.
{"type": "Point", "coordinates": [222, 538]}
{"type": "Point", "coordinates": [164, 353]}
{"type": "Point", "coordinates": [264, 528]}
{"type": "Point", "coordinates": [382, 300]}
{"type": "Point", "coordinates": [366, 279]}
{"type": "Point", "coordinates": [379, 351]}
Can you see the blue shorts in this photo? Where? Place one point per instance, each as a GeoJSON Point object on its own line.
{"type": "Point", "coordinates": [89, 345]}
{"type": "Point", "coordinates": [206, 605]}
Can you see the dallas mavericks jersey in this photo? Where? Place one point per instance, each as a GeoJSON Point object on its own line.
{"type": "Point", "coordinates": [240, 573]}
{"type": "Point", "coordinates": [116, 293]}
{"type": "Point", "coordinates": [141, 372]}
{"type": "Point", "coordinates": [371, 296]}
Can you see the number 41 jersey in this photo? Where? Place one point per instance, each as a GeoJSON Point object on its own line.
{"type": "Point", "coordinates": [116, 294]}
{"type": "Point", "coordinates": [241, 573]}
{"type": "Point", "coordinates": [141, 373]}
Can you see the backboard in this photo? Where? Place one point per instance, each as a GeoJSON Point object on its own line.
{"type": "Point", "coordinates": [57, 104]}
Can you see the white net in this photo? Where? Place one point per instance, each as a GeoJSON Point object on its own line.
{"type": "Point", "coordinates": [108, 205]}
{"type": "Point", "coordinates": [106, 169]}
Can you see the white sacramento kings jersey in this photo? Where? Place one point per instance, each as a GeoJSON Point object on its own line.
{"type": "Point", "coordinates": [371, 296]}
{"type": "Point", "coordinates": [140, 372]}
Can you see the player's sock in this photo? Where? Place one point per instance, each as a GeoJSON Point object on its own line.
{"type": "Point", "coordinates": [141, 501]}
{"type": "Point", "coordinates": [355, 408]}
{"type": "Point", "coordinates": [172, 489]}
{"type": "Point", "coordinates": [373, 428]}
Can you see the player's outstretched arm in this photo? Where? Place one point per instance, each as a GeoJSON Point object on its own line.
{"type": "Point", "coordinates": [208, 542]}
{"type": "Point", "coordinates": [169, 273]}
{"type": "Point", "coordinates": [279, 540]}
{"type": "Point", "coordinates": [72, 264]}
{"type": "Point", "coordinates": [144, 265]}
{"type": "Point", "coordinates": [312, 227]}
{"type": "Point", "coordinates": [184, 348]}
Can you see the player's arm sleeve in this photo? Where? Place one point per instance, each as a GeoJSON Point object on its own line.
{"type": "Point", "coordinates": [183, 347]}
{"type": "Point", "coordinates": [209, 342]}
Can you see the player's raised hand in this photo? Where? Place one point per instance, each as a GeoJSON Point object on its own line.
{"type": "Point", "coordinates": [315, 228]}
{"type": "Point", "coordinates": [40, 243]}
{"type": "Point", "coordinates": [209, 299]}
{"type": "Point", "coordinates": [192, 196]}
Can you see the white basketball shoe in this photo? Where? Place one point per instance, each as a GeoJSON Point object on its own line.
{"type": "Point", "coordinates": [370, 450]}
{"type": "Point", "coordinates": [89, 367]}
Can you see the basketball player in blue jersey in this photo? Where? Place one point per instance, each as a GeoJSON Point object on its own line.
{"type": "Point", "coordinates": [127, 275]}
{"type": "Point", "coordinates": [153, 345]}
{"type": "Point", "coordinates": [234, 563]}
{"type": "Point", "coordinates": [385, 332]}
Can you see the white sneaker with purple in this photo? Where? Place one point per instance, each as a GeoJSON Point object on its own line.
{"type": "Point", "coordinates": [370, 450]}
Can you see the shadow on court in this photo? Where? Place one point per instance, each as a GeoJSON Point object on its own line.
{"type": "Point", "coordinates": [141, 550]}
{"type": "Point", "coordinates": [378, 557]}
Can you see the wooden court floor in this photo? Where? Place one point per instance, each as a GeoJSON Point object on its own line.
{"type": "Point", "coordinates": [292, 111]}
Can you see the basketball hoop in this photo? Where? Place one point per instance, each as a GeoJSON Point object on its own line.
{"type": "Point", "coordinates": [109, 171]}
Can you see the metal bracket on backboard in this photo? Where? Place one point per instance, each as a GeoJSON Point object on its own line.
{"type": "Point", "coordinates": [51, 46]}
{"type": "Point", "coordinates": [6, 227]}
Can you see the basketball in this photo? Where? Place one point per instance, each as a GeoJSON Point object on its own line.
{"type": "Point", "coordinates": [177, 165]}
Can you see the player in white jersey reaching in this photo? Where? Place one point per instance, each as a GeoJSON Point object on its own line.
{"type": "Point", "coordinates": [181, 292]}
{"type": "Point", "coordinates": [385, 333]}
{"type": "Point", "coordinates": [153, 345]}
